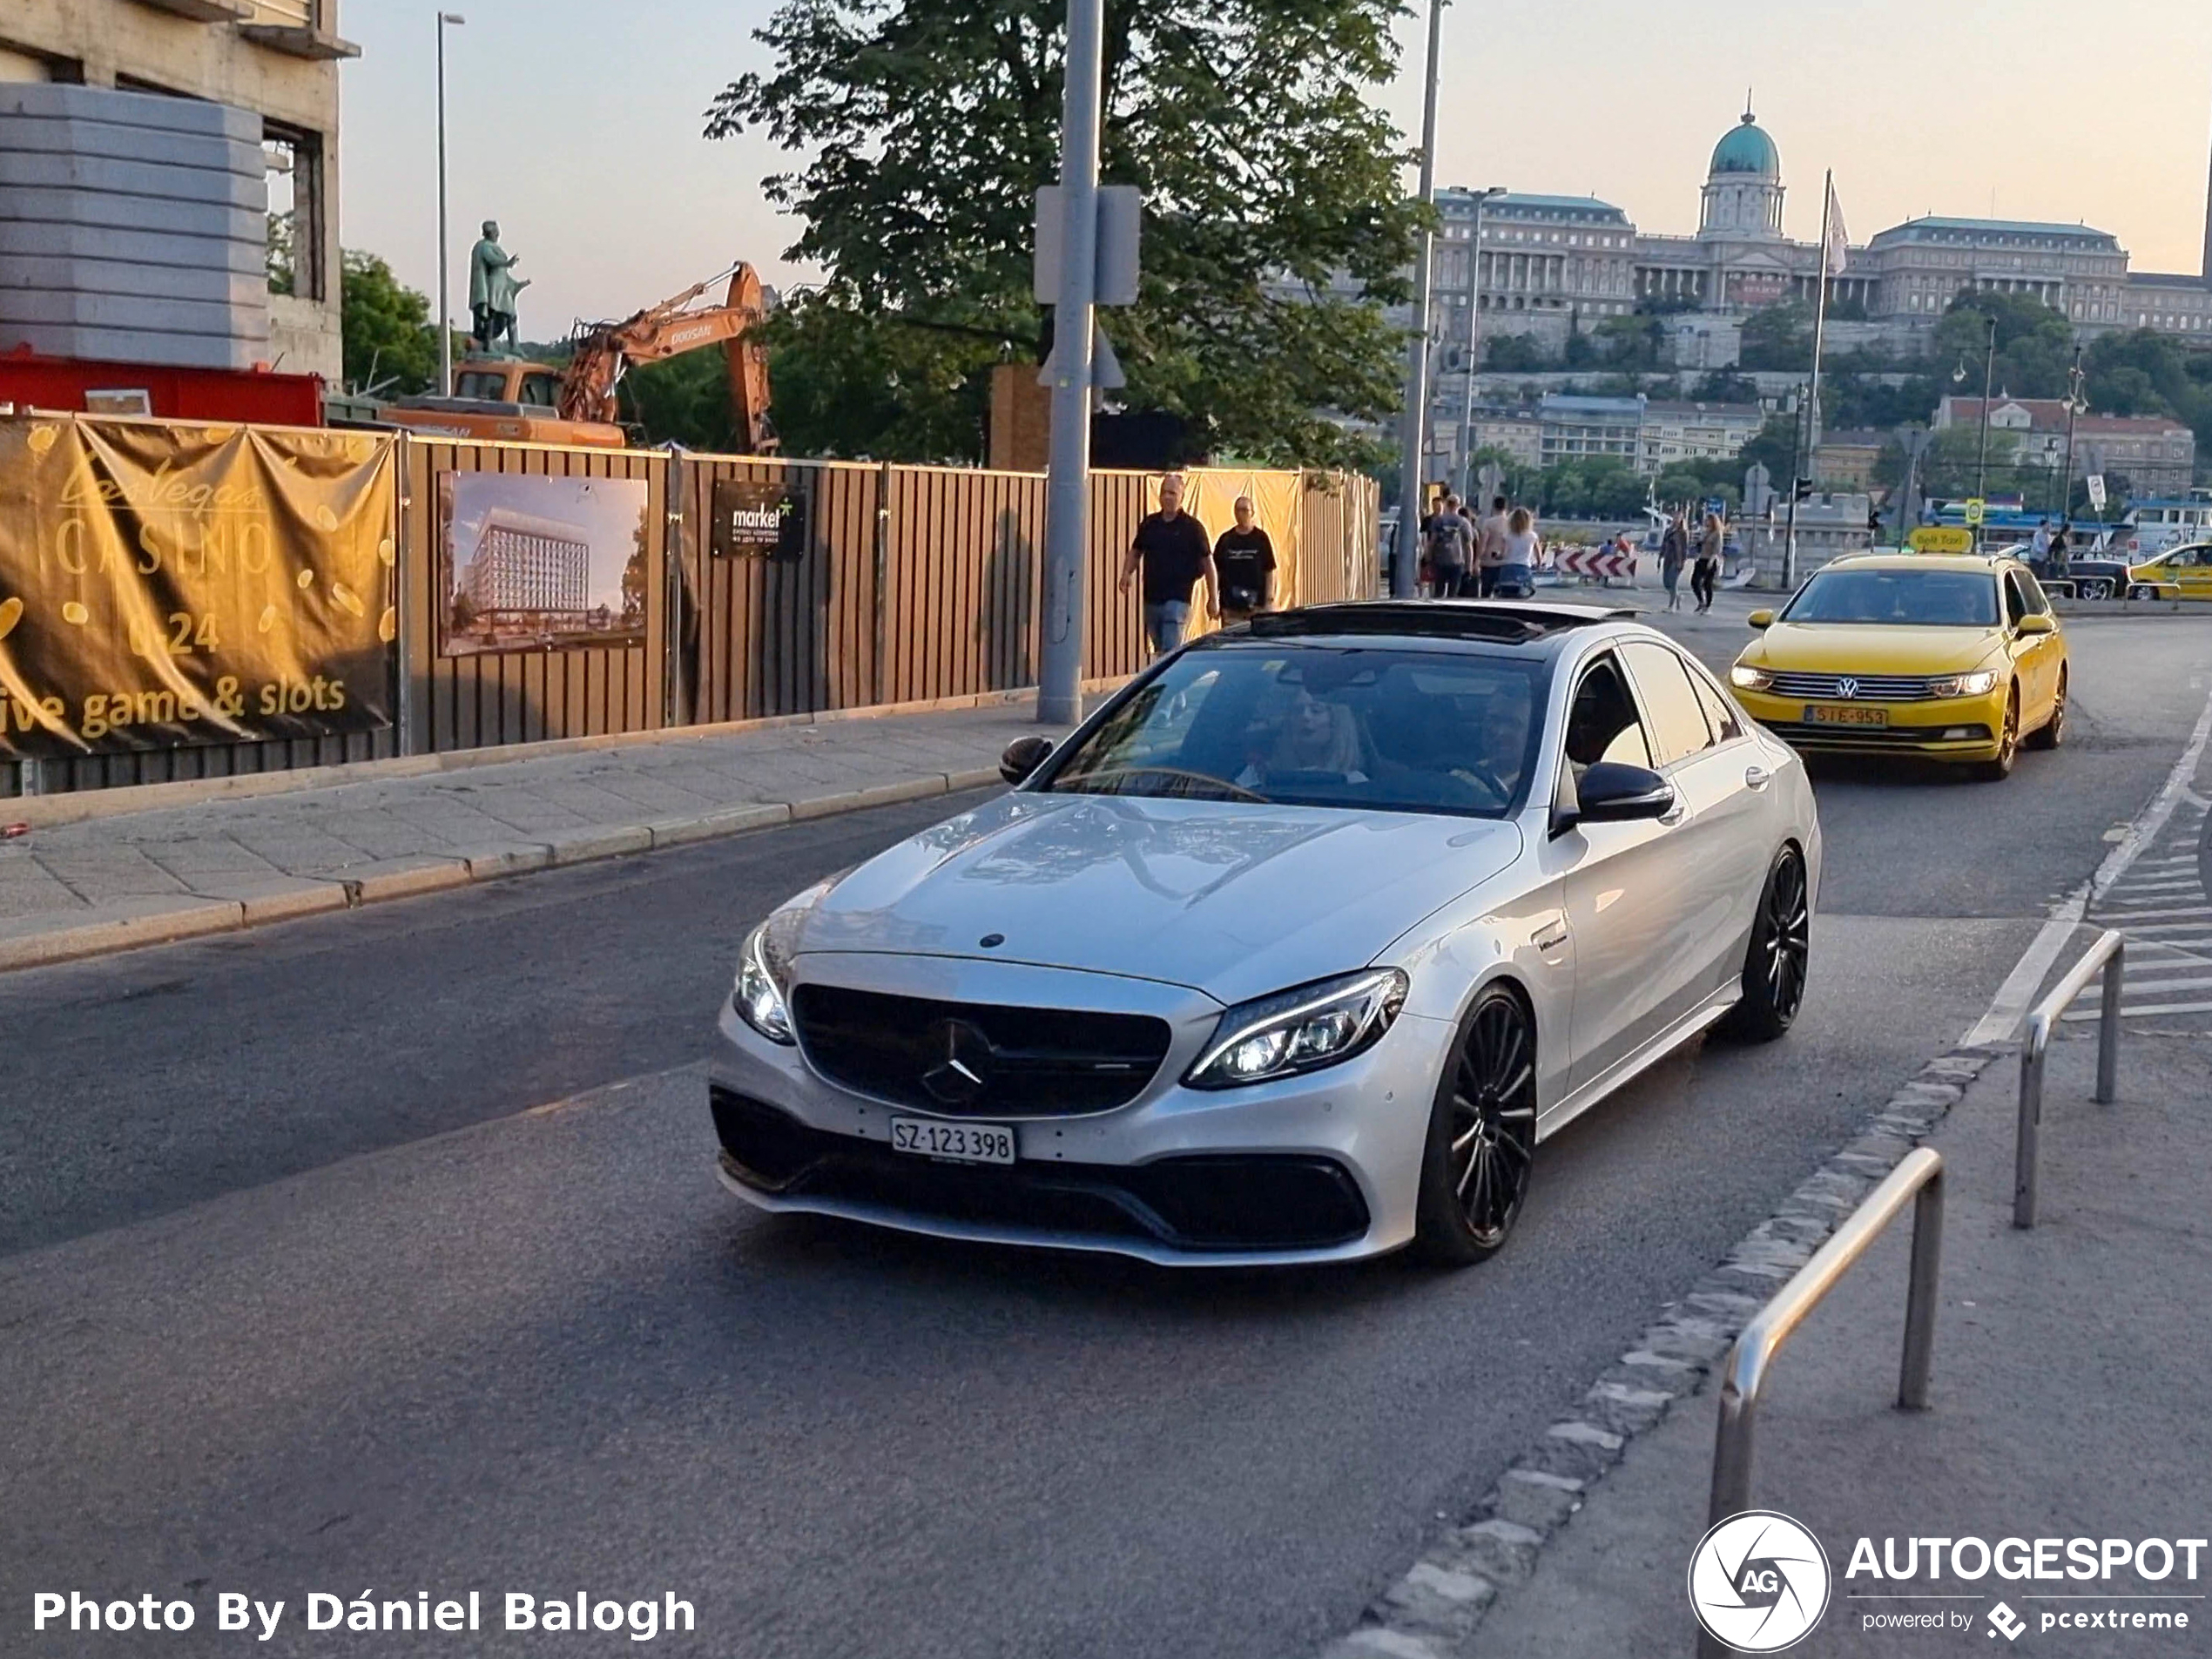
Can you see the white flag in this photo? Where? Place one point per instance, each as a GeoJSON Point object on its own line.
{"type": "Point", "coordinates": [1838, 239]}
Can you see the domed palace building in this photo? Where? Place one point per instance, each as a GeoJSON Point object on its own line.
{"type": "Point", "coordinates": [1549, 263]}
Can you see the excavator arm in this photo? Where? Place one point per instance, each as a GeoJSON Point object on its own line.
{"type": "Point", "coordinates": [601, 354]}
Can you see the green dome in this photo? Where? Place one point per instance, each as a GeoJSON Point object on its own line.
{"type": "Point", "coordinates": [1748, 149]}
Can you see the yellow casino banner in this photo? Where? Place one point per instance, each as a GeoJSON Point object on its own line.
{"type": "Point", "coordinates": [169, 584]}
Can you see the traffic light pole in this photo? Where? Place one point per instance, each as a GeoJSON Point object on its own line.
{"type": "Point", "coordinates": [1059, 698]}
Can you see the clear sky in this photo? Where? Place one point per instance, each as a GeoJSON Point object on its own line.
{"type": "Point", "coordinates": [577, 122]}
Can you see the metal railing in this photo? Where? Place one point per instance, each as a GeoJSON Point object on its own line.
{"type": "Point", "coordinates": [1919, 1178]}
{"type": "Point", "coordinates": [2107, 955]}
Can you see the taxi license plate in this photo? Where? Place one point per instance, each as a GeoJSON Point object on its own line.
{"type": "Point", "coordinates": [1845, 716]}
{"type": "Point", "coordinates": [960, 1143]}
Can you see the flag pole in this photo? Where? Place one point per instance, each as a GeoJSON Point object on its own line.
{"type": "Point", "coordinates": [1812, 410]}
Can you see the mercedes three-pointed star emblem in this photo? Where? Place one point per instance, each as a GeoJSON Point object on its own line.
{"type": "Point", "coordinates": [959, 1078]}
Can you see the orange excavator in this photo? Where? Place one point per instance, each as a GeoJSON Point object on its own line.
{"type": "Point", "coordinates": [514, 399]}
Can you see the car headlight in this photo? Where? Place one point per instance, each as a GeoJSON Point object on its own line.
{"type": "Point", "coordinates": [759, 991]}
{"type": "Point", "coordinates": [1751, 679]}
{"type": "Point", "coordinates": [1980, 682]}
{"type": "Point", "coordinates": [1302, 1029]}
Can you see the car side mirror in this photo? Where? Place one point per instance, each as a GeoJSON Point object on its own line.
{"type": "Point", "coordinates": [1023, 756]}
{"type": "Point", "coordinates": [2037, 624]}
{"type": "Point", "coordinates": [1760, 619]}
{"type": "Point", "coordinates": [1610, 792]}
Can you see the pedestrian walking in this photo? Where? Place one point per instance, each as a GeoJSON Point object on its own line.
{"type": "Point", "coordinates": [1523, 548]}
{"type": "Point", "coordinates": [1450, 548]}
{"type": "Point", "coordinates": [1490, 546]}
{"type": "Point", "coordinates": [1674, 552]}
{"type": "Point", "coordinates": [1171, 548]}
{"type": "Point", "coordinates": [2062, 548]}
{"type": "Point", "coordinates": [1243, 564]}
{"type": "Point", "coordinates": [1706, 572]}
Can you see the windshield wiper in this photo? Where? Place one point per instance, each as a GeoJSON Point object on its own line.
{"type": "Point", "coordinates": [1182, 785]}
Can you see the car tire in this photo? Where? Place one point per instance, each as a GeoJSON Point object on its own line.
{"type": "Point", "coordinates": [2008, 744]}
{"type": "Point", "coordinates": [2051, 732]}
{"type": "Point", "coordinates": [1482, 1135]}
{"type": "Point", "coordinates": [2096, 590]}
{"type": "Point", "coordinates": [1775, 961]}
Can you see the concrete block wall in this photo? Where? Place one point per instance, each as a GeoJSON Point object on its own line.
{"type": "Point", "coordinates": [133, 226]}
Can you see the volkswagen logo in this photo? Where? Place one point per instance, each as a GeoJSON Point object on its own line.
{"type": "Point", "coordinates": [1759, 1582]}
{"type": "Point", "coordinates": [1848, 686]}
{"type": "Point", "coordinates": [964, 1060]}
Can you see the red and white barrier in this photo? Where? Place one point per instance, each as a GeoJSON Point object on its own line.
{"type": "Point", "coordinates": [1609, 563]}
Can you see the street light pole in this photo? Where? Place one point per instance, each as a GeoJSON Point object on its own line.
{"type": "Point", "coordinates": [1060, 699]}
{"type": "Point", "coordinates": [445, 285]}
{"type": "Point", "coordinates": [1474, 343]}
{"type": "Point", "coordinates": [2073, 407]}
{"type": "Point", "coordinates": [1405, 568]}
{"type": "Point", "coordinates": [1988, 387]}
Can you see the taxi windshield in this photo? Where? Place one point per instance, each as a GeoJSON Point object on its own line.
{"type": "Point", "coordinates": [1930, 599]}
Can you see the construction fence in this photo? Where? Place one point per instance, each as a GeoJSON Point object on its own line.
{"type": "Point", "coordinates": [184, 600]}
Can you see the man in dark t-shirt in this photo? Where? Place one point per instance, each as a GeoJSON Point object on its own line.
{"type": "Point", "coordinates": [1170, 548]}
{"type": "Point", "coordinates": [1243, 564]}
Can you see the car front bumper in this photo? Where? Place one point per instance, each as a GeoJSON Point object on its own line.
{"type": "Point", "coordinates": [1948, 728]}
{"type": "Point", "coordinates": [1314, 1169]}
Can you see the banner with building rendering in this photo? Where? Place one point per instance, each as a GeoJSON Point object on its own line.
{"type": "Point", "coordinates": [530, 562]}
{"type": "Point", "coordinates": [168, 583]}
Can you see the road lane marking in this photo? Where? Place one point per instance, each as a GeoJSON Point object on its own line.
{"type": "Point", "coordinates": [2009, 1007]}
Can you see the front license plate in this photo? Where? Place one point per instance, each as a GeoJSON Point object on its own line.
{"type": "Point", "coordinates": [961, 1143]}
{"type": "Point", "coordinates": [1845, 716]}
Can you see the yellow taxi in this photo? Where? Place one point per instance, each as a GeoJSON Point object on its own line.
{"type": "Point", "coordinates": [2185, 573]}
{"type": "Point", "coordinates": [1952, 657]}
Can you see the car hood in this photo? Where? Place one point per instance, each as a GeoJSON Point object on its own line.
{"type": "Point", "coordinates": [1865, 648]}
{"type": "Point", "coordinates": [1234, 899]}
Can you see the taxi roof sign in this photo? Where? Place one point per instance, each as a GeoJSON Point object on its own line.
{"type": "Point", "coordinates": [1940, 538]}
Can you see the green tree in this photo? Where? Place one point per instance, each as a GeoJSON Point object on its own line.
{"type": "Point", "coordinates": [1265, 172]}
{"type": "Point", "coordinates": [1516, 355]}
{"type": "Point", "coordinates": [391, 345]}
{"type": "Point", "coordinates": [1778, 338]}
{"type": "Point", "coordinates": [683, 399]}
{"type": "Point", "coordinates": [2034, 345]}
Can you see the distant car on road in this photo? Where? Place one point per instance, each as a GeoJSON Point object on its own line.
{"type": "Point", "coordinates": [1955, 658]}
{"type": "Point", "coordinates": [2186, 573]}
{"type": "Point", "coordinates": [1293, 952]}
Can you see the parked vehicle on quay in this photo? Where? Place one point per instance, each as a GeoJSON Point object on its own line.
{"type": "Point", "coordinates": [2185, 573]}
{"type": "Point", "coordinates": [1294, 951]}
{"type": "Point", "coordinates": [1952, 658]}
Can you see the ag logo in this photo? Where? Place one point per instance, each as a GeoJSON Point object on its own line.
{"type": "Point", "coordinates": [1758, 1581]}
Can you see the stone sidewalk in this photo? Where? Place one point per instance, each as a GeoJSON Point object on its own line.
{"type": "Point", "coordinates": [118, 879]}
{"type": "Point", "coordinates": [2072, 1363]}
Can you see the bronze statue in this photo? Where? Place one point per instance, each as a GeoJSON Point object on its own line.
{"type": "Point", "coordinates": [492, 289]}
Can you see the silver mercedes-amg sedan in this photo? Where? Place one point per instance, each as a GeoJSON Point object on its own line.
{"type": "Point", "coordinates": [1294, 951]}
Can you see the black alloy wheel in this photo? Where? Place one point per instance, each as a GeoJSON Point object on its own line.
{"type": "Point", "coordinates": [1482, 1135]}
{"type": "Point", "coordinates": [1780, 953]}
{"type": "Point", "coordinates": [2008, 742]}
{"type": "Point", "coordinates": [2051, 732]}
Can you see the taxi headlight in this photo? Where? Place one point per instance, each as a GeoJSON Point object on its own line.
{"type": "Point", "coordinates": [1980, 682]}
{"type": "Point", "coordinates": [1751, 679]}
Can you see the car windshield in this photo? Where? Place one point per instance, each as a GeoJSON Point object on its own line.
{"type": "Point", "coordinates": [1933, 599]}
{"type": "Point", "coordinates": [1319, 725]}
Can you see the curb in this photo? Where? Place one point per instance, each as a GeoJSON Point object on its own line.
{"type": "Point", "coordinates": [1436, 1609]}
{"type": "Point", "coordinates": [134, 923]}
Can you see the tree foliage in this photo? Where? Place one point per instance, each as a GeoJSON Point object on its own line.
{"type": "Point", "coordinates": [1246, 124]}
{"type": "Point", "coordinates": [391, 345]}
{"type": "Point", "coordinates": [1779, 337]}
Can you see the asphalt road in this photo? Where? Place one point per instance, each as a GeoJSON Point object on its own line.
{"type": "Point", "coordinates": [298, 1292]}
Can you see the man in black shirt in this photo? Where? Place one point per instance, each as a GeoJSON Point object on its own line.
{"type": "Point", "coordinates": [1170, 546]}
{"type": "Point", "coordinates": [1243, 563]}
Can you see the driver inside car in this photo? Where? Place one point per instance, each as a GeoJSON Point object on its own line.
{"type": "Point", "coordinates": [1317, 736]}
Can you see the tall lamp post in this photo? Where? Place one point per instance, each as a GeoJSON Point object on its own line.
{"type": "Point", "coordinates": [445, 285]}
{"type": "Point", "coordinates": [1988, 387]}
{"type": "Point", "coordinates": [1474, 341]}
{"type": "Point", "coordinates": [1405, 568]}
{"type": "Point", "coordinates": [2075, 405]}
